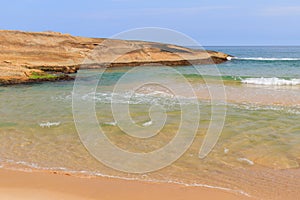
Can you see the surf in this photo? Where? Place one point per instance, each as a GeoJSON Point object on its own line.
{"type": "Point", "coordinates": [271, 81]}
{"type": "Point", "coordinates": [264, 59]}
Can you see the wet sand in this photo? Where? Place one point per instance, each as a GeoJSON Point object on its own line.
{"type": "Point", "coordinates": [15, 185]}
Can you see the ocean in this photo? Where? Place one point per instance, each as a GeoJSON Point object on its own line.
{"type": "Point", "coordinates": [254, 100]}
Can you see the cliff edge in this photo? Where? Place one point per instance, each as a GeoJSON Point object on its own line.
{"type": "Point", "coordinates": [45, 56]}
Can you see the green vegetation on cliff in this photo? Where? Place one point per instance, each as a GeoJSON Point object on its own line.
{"type": "Point", "coordinates": [36, 76]}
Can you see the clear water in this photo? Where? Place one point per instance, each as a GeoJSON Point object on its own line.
{"type": "Point", "coordinates": [259, 144]}
{"type": "Point", "coordinates": [281, 62]}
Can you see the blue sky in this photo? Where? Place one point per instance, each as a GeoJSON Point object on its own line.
{"type": "Point", "coordinates": [218, 22]}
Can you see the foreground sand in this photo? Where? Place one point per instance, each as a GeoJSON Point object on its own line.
{"type": "Point", "coordinates": [42, 185]}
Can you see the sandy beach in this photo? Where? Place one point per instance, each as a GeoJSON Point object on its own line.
{"type": "Point", "coordinates": [149, 100]}
{"type": "Point", "coordinates": [15, 185]}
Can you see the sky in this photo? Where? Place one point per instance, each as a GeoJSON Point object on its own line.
{"type": "Point", "coordinates": [218, 22]}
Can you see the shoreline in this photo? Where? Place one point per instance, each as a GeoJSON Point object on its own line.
{"type": "Point", "coordinates": [33, 185]}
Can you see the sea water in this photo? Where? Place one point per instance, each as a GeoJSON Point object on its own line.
{"type": "Point", "coordinates": [257, 153]}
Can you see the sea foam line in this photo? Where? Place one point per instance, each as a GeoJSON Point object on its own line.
{"type": "Point", "coordinates": [270, 81]}
{"type": "Point", "coordinates": [84, 172]}
{"type": "Point", "coordinates": [246, 160]}
{"type": "Point", "coordinates": [295, 110]}
{"type": "Point", "coordinates": [111, 123]}
{"type": "Point", "coordinates": [49, 124]}
{"type": "Point", "coordinates": [266, 59]}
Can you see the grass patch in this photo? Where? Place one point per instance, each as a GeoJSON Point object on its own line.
{"type": "Point", "coordinates": [36, 76]}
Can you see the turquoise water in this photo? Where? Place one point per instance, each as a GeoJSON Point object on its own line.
{"type": "Point", "coordinates": [281, 62]}
{"type": "Point", "coordinates": [259, 144]}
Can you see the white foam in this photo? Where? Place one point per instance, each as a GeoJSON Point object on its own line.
{"type": "Point", "coordinates": [271, 81]}
{"type": "Point", "coordinates": [168, 102]}
{"type": "Point", "coordinates": [266, 59]}
{"type": "Point", "coordinates": [149, 123]}
{"type": "Point", "coordinates": [49, 124]}
{"type": "Point", "coordinates": [226, 150]}
{"type": "Point", "coordinates": [295, 110]}
{"type": "Point", "coordinates": [229, 58]}
{"type": "Point", "coordinates": [89, 173]}
{"type": "Point", "coordinates": [111, 123]}
{"type": "Point", "coordinates": [246, 160]}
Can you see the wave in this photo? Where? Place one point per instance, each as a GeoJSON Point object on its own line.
{"type": "Point", "coordinates": [111, 123]}
{"type": "Point", "coordinates": [271, 81]}
{"type": "Point", "coordinates": [167, 101]}
{"type": "Point", "coordinates": [171, 104]}
{"type": "Point", "coordinates": [49, 124]}
{"type": "Point", "coordinates": [149, 123]}
{"type": "Point", "coordinates": [246, 160]}
{"type": "Point", "coordinates": [266, 59]}
{"type": "Point", "coordinates": [294, 110]}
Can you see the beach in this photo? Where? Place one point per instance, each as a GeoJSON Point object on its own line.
{"type": "Point", "coordinates": [150, 100]}
{"type": "Point", "coordinates": [256, 154]}
{"type": "Point", "coordinates": [16, 185]}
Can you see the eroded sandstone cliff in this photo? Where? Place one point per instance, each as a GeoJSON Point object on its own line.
{"type": "Point", "coordinates": [30, 56]}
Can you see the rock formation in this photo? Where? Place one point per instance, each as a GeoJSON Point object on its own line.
{"type": "Point", "coordinates": [30, 57]}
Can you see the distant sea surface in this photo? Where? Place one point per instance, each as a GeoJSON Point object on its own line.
{"type": "Point", "coordinates": [257, 154]}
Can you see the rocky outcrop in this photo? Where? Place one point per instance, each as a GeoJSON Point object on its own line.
{"type": "Point", "coordinates": [23, 55]}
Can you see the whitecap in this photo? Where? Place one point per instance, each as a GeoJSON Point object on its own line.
{"type": "Point", "coordinates": [271, 81]}
{"type": "Point", "coordinates": [266, 59]}
{"type": "Point", "coordinates": [226, 150]}
{"type": "Point", "coordinates": [246, 160]}
{"type": "Point", "coordinates": [149, 123]}
{"type": "Point", "coordinates": [229, 58]}
{"type": "Point", "coordinates": [111, 123]}
{"type": "Point", "coordinates": [49, 124]}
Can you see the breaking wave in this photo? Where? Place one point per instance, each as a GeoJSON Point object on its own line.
{"type": "Point", "coordinates": [49, 124]}
{"type": "Point", "coordinates": [266, 59]}
{"type": "Point", "coordinates": [271, 81]}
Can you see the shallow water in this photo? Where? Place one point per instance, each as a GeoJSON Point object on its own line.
{"type": "Point", "coordinates": [258, 152]}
